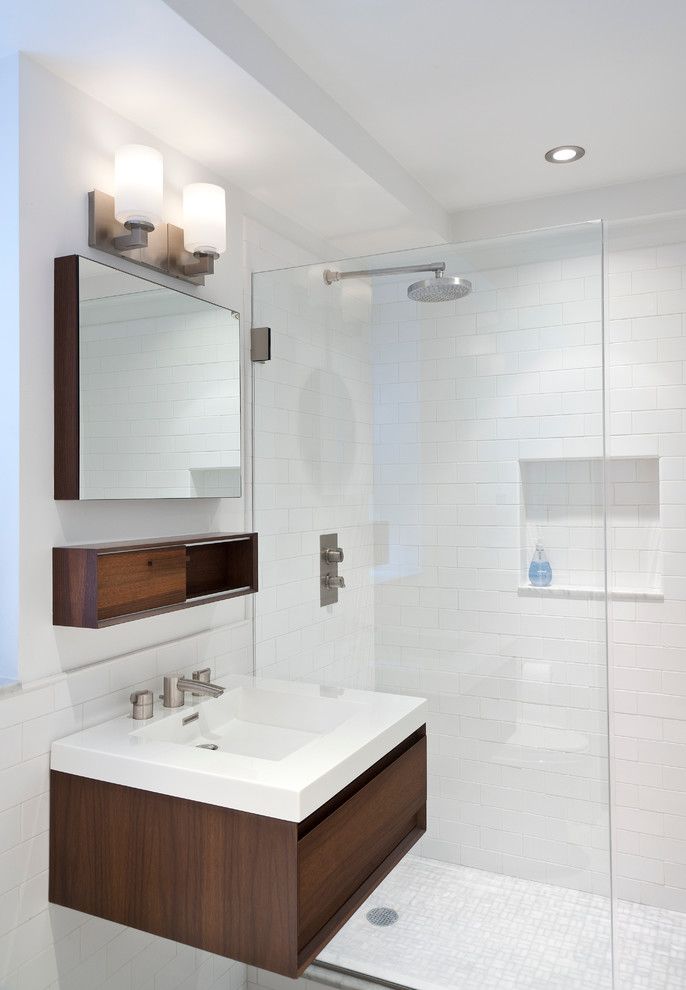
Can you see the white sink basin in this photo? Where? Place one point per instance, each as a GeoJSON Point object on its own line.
{"type": "Point", "coordinates": [252, 721]}
{"type": "Point", "coordinates": [274, 748]}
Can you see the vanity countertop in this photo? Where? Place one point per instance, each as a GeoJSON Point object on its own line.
{"type": "Point", "coordinates": [274, 748]}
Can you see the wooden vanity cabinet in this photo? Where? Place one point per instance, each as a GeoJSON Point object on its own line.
{"type": "Point", "coordinates": [264, 891]}
{"type": "Point", "coordinates": [104, 583]}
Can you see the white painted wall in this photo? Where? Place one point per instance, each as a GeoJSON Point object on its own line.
{"type": "Point", "coordinates": [72, 678]}
{"type": "Point", "coordinates": [82, 136]}
{"type": "Point", "coordinates": [645, 197]}
{"type": "Point", "coordinates": [9, 366]}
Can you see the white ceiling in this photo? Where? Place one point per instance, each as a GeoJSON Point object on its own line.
{"type": "Point", "coordinates": [406, 110]}
{"type": "Point", "coordinates": [468, 95]}
{"type": "Point", "coordinates": [145, 62]}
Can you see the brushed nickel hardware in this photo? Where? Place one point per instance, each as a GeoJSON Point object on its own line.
{"type": "Point", "coordinates": [331, 276]}
{"type": "Point", "coordinates": [440, 288]}
{"type": "Point", "coordinates": [176, 687]}
{"type": "Point", "coordinates": [203, 264]}
{"type": "Point", "coordinates": [142, 702]}
{"type": "Point", "coordinates": [137, 236]}
{"type": "Point", "coordinates": [190, 718]}
{"type": "Point", "coordinates": [204, 675]}
{"type": "Point", "coordinates": [160, 248]}
{"type": "Point", "coordinates": [261, 344]}
{"type": "Point", "coordinates": [330, 556]}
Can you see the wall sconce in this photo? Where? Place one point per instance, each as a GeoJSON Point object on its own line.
{"type": "Point", "coordinates": [129, 224]}
{"type": "Point", "coordinates": [204, 225]}
{"type": "Point", "coordinates": [138, 194]}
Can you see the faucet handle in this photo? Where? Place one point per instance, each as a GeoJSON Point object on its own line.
{"type": "Point", "coordinates": [203, 675]}
{"type": "Point", "coordinates": [172, 696]}
{"type": "Point", "coordinates": [142, 702]}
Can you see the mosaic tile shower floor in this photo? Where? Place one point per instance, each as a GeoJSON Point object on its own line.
{"type": "Point", "coordinates": [465, 929]}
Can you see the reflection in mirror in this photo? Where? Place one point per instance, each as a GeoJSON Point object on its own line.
{"type": "Point", "coordinates": [159, 390]}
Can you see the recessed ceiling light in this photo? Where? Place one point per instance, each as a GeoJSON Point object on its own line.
{"type": "Point", "coordinates": [565, 153]}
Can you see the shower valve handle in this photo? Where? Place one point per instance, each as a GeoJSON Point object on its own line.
{"type": "Point", "coordinates": [333, 555]}
{"type": "Point", "coordinates": [334, 581]}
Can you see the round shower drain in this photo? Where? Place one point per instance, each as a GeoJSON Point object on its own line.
{"type": "Point", "coordinates": [382, 916]}
{"type": "Point", "coordinates": [207, 746]}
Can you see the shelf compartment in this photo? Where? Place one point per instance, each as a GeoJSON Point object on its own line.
{"type": "Point", "coordinates": [105, 583]}
{"type": "Point", "coordinates": [562, 505]}
{"type": "Point", "coordinates": [224, 567]}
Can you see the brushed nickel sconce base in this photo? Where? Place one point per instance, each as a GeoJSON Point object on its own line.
{"type": "Point", "coordinates": [160, 248]}
{"type": "Point", "coordinates": [137, 237]}
{"type": "Point", "coordinates": [204, 265]}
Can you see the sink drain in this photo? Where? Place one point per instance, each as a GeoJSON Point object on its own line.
{"type": "Point", "coordinates": [382, 916]}
{"type": "Point", "coordinates": [207, 746]}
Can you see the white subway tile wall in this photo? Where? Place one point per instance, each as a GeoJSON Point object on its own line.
{"type": "Point", "coordinates": [487, 420]}
{"type": "Point", "coordinates": [488, 436]}
{"type": "Point", "coordinates": [45, 947]}
{"type": "Point", "coordinates": [647, 415]}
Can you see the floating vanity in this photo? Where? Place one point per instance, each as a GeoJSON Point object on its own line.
{"type": "Point", "coordinates": [259, 849]}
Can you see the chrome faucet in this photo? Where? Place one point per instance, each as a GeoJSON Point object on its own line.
{"type": "Point", "coordinates": [176, 687]}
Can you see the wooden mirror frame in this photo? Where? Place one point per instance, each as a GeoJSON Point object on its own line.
{"type": "Point", "coordinates": [67, 444]}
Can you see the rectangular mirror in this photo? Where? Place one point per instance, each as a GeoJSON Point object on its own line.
{"type": "Point", "coordinates": [147, 388]}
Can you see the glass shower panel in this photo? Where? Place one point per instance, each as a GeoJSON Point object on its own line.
{"type": "Point", "coordinates": [464, 434]}
{"type": "Point", "coordinates": [313, 475]}
{"type": "Point", "coordinates": [646, 445]}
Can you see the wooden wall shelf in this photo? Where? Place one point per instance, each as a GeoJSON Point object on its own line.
{"type": "Point", "coordinates": [264, 891]}
{"type": "Point", "coordinates": [104, 583]}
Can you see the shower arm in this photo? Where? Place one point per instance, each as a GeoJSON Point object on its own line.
{"type": "Point", "coordinates": [331, 276]}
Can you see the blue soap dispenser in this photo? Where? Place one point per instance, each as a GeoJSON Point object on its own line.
{"type": "Point", "coordinates": [540, 571]}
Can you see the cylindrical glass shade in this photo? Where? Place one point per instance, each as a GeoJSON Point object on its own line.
{"type": "Point", "coordinates": [204, 218]}
{"type": "Point", "coordinates": [138, 185]}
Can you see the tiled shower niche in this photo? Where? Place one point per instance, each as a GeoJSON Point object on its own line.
{"type": "Point", "coordinates": [562, 507]}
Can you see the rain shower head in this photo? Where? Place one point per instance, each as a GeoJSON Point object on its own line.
{"type": "Point", "coordinates": [440, 288]}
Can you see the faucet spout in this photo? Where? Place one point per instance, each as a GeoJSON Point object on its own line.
{"type": "Point", "coordinates": [175, 689]}
{"type": "Point", "coordinates": [199, 687]}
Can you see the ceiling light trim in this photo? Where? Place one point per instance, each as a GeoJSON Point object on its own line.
{"type": "Point", "coordinates": [565, 154]}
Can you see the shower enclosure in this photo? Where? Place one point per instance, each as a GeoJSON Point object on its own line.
{"type": "Point", "coordinates": [442, 441]}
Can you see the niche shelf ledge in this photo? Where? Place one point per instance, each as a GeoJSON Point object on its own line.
{"type": "Point", "coordinates": [588, 592]}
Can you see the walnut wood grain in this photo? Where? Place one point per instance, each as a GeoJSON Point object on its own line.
{"type": "Point", "coordinates": [74, 586]}
{"type": "Point", "coordinates": [309, 952]}
{"type": "Point", "coordinates": [140, 580]}
{"type": "Point", "coordinates": [241, 885]}
{"type": "Point", "coordinates": [98, 585]}
{"type": "Point", "coordinates": [66, 378]}
{"type": "Point", "coordinates": [214, 567]}
{"type": "Point", "coordinates": [343, 851]}
{"type": "Point", "coordinates": [168, 541]}
{"type": "Point", "coordinates": [217, 879]}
